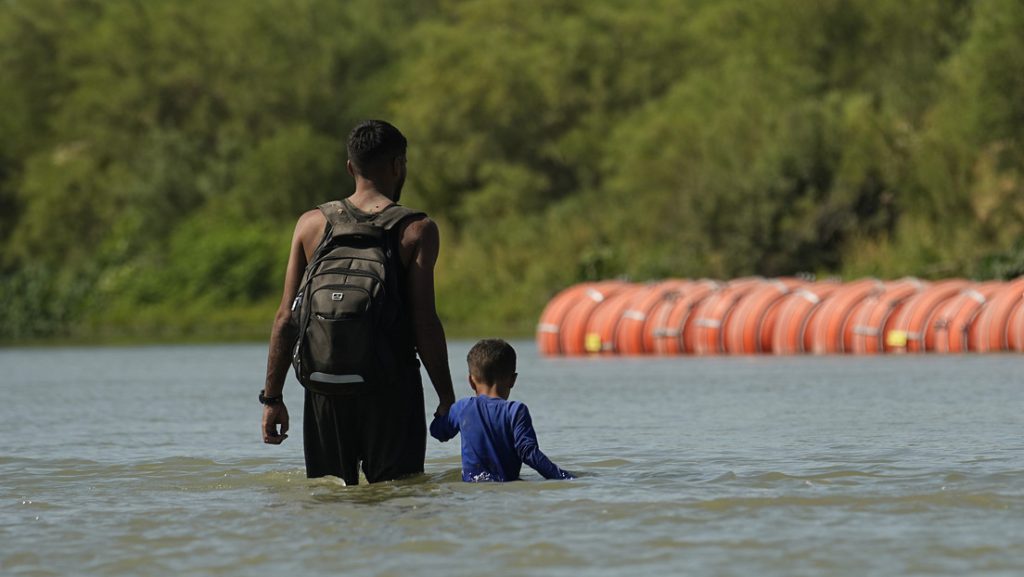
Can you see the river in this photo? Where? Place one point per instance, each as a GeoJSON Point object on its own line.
{"type": "Point", "coordinates": [148, 461]}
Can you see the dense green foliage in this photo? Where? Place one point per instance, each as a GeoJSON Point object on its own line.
{"type": "Point", "coordinates": [154, 155]}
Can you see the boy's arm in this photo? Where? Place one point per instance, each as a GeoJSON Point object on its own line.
{"type": "Point", "coordinates": [445, 427]}
{"type": "Point", "coordinates": [528, 449]}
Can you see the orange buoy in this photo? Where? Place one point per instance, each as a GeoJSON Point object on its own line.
{"type": "Point", "coordinates": [868, 322]}
{"type": "Point", "coordinates": [605, 319]}
{"type": "Point", "coordinates": [767, 330]}
{"type": "Point", "coordinates": [712, 313]}
{"type": "Point", "coordinates": [631, 337]}
{"type": "Point", "coordinates": [550, 326]}
{"type": "Point", "coordinates": [743, 328]}
{"type": "Point", "coordinates": [660, 312]}
{"type": "Point", "coordinates": [794, 311]}
{"type": "Point", "coordinates": [1015, 328]}
{"type": "Point", "coordinates": [948, 331]}
{"type": "Point", "coordinates": [671, 322]}
{"type": "Point", "coordinates": [826, 333]}
{"type": "Point", "coordinates": [989, 330]}
{"type": "Point", "coordinates": [907, 332]}
{"type": "Point", "coordinates": [572, 338]}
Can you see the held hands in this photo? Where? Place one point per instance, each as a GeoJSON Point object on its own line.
{"type": "Point", "coordinates": [442, 408]}
{"type": "Point", "coordinates": [274, 415]}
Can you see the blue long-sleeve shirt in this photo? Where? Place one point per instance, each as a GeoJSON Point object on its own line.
{"type": "Point", "coordinates": [497, 438]}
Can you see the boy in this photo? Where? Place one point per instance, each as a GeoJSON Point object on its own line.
{"type": "Point", "coordinates": [497, 435]}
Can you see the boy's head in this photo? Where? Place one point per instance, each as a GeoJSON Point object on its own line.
{"type": "Point", "coordinates": [492, 362]}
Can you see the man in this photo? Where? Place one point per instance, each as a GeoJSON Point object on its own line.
{"type": "Point", "coordinates": [383, 427]}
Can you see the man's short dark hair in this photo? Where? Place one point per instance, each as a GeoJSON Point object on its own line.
{"type": "Point", "coordinates": [374, 144]}
{"type": "Point", "coordinates": [490, 360]}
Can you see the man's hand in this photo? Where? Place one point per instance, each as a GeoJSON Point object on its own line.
{"type": "Point", "coordinates": [442, 409]}
{"type": "Point", "coordinates": [274, 415]}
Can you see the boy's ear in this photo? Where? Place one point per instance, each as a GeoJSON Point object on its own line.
{"type": "Point", "coordinates": [472, 383]}
{"type": "Point", "coordinates": [512, 381]}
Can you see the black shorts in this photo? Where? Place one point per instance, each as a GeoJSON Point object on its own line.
{"type": "Point", "coordinates": [385, 430]}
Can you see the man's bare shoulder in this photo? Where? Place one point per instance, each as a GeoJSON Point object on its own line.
{"type": "Point", "coordinates": [418, 229]}
{"type": "Point", "coordinates": [311, 218]}
{"type": "Point", "coordinates": [310, 226]}
{"type": "Point", "coordinates": [309, 229]}
{"type": "Point", "coordinates": [419, 236]}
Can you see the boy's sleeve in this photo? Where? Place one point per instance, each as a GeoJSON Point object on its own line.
{"type": "Point", "coordinates": [445, 427]}
{"type": "Point", "coordinates": [527, 448]}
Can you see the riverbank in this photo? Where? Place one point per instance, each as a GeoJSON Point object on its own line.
{"type": "Point", "coordinates": [248, 324]}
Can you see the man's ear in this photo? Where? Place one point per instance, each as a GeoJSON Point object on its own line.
{"type": "Point", "coordinates": [351, 169]}
{"type": "Point", "coordinates": [396, 165]}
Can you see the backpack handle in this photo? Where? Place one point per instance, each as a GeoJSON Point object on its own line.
{"type": "Point", "coordinates": [357, 230]}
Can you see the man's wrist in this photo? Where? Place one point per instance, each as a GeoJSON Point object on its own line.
{"type": "Point", "coordinates": [271, 400]}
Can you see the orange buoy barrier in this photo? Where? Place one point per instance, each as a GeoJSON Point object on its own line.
{"type": "Point", "coordinates": [908, 330]}
{"type": "Point", "coordinates": [572, 338]}
{"type": "Point", "coordinates": [990, 330]}
{"type": "Point", "coordinates": [768, 323]}
{"type": "Point", "coordinates": [605, 319]}
{"type": "Point", "coordinates": [794, 313]}
{"type": "Point", "coordinates": [661, 310]}
{"type": "Point", "coordinates": [712, 313]}
{"type": "Point", "coordinates": [868, 323]}
{"type": "Point", "coordinates": [949, 331]}
{"type": "Point", "coordinates": [826, 332]}
{"type": "Point", "coordinates": [1015, 329]}
{"type": "Point", "coordinates": [673, 320]}
{"type": "Point", "coordinates": [754, 315]}
{"type": "Point", "coordinates": [744, 332]}
{"type": "Point", "coordinates": [549, 329]}
{"type": "Point", "coordinates": [632, 336]}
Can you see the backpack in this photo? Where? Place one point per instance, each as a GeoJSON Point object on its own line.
{"type": "Point", "coordinates": [349, 303]}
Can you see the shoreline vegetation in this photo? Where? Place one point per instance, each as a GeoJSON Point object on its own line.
{"type": "Point", "coordinates": [222, 327]}
{"type": "Point", "coordinates": [154, 156]}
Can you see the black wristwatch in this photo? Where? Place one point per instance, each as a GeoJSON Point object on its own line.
{"type": "Point", "coordinates": [269, 401]}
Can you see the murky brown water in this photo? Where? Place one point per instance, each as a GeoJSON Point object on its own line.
{"type": "Point", "coordinates": [147, 461]}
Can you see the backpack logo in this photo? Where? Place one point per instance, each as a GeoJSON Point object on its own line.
{"type": "Point", "coordinates": [337, 296]}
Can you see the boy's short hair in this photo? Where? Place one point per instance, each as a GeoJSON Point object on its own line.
{"type": "Point", "coordinates": [490, 360]}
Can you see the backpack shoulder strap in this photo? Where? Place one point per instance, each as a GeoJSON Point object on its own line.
{"type": "Point", "coordinates": [336, 214]}
{"type": "Point", "coordinates": [395, 214]}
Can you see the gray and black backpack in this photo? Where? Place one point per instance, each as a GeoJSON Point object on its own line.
{"type": "Point", "coordinates": [349, 303]}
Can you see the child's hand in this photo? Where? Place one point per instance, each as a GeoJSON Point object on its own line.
{"type": "Point", "coordinates": [441, 429]}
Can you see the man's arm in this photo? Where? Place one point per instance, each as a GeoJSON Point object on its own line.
{"type": "Point", "coordinates": [427, 329]}
{"type": "Point", "coordinates": [283, 333]}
